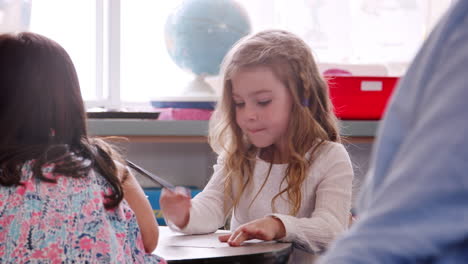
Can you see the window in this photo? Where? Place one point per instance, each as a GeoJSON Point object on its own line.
{"type": "Point", "coordinates": [73, 25]}
{"type": "Point", "coordinates": [119, 50]}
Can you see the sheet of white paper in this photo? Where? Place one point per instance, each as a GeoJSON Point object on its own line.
{"type": "Point", "coordinates": [202, 241]}
{"type": "Point", "coordinates": [199, 241]}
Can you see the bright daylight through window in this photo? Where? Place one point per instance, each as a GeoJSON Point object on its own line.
{"type": "Point", "coordinates": [119, 48]}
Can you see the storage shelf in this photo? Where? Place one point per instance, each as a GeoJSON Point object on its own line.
{"type": "Point", "coordinates": [142, 130]}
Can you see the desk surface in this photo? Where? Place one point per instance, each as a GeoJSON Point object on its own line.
{"type": "Point", "coordinates": [179, 248]}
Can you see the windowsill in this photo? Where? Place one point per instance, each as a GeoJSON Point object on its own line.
{"type": "Point", "coordinates": [146, 130]}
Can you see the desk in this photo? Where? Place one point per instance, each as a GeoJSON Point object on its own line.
{"type": "Point", "coordinates": [179, 248]}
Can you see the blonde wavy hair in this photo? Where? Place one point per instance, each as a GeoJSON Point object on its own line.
{"type": "Point", "coordinates": [312, 117]}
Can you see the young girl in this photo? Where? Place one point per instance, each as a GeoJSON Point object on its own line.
{"type": "Point", "coordinates": [281, 171]}
{"type": "Point", "coordinates": [64, 198]}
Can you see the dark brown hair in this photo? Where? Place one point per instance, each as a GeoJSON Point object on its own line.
{"type": "Point", "coordinates": [43, 117]}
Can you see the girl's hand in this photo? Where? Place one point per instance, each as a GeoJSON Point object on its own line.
{"type": "Point", "coordinates": [267, 228]}
{"type": "Point", "coordinates": [175, 205]}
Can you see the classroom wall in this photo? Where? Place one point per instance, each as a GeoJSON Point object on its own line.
{"type": "Point", "coordinates": [191, 164]}
{"type": "Point", "coordinates": [360, 156]}
{"type": "Point", "coordinates": [188, 164]}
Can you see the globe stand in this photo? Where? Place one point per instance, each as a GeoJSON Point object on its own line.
{"type": "Point", "coordinates": [199, 88]}
{"type": "Point", "coordinates": [197, 94]}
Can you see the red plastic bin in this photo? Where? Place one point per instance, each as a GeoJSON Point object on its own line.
{"type": "Point", "coordinates": [360, 97]}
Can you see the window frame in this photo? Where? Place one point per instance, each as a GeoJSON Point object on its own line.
{"type": "Point", "coordinates": [107, 55]}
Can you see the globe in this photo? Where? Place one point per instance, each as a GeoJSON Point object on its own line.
{"type": "Point", "coordinates": [199, 33]}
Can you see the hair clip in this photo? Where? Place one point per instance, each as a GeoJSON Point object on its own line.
{"type": "Point", "coordinates": [305, 102]}
{"type": "Point", "coordinates": [51, 133]}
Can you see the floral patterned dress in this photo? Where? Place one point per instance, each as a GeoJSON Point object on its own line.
{"type": "Point", "coordinates": [66, 222]}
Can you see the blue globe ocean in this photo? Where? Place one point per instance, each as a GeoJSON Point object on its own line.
{"type": "Point", "coordinates": [199, 33]}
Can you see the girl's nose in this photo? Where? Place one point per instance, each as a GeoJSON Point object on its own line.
{"type": "Point", "coordinates": [251, 113]}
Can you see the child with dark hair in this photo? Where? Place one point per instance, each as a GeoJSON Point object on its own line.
{"type": "Point", "coordinates": [64, 196]}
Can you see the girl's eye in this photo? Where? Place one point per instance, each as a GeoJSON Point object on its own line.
{"type": "Point", "coordinates": [264, 103]}
{"type": "Point", "coordinates": [239, 105]}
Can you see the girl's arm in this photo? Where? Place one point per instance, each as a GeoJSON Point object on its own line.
{"type": "Point", "coordinates": [206, 213]}
{"type": "Point", "coordinates": [136, 199]}
{"type": "Point", "coordinates": [329, 218]}
{"type": "Point", "coordinates": [332, 206]}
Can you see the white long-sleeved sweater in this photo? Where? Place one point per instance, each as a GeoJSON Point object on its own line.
{"type": "Point", "coordinates": [324, 211]}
